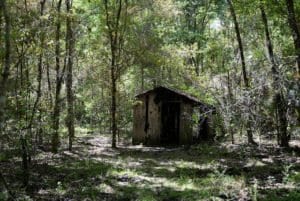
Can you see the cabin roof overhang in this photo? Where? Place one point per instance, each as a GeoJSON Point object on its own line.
{"type": "Point", "coordinates": [186, 97]}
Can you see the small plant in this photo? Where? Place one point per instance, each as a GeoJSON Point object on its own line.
{"type": "Point", "coordinates": [220, 172]}
{"type": "Point", "coordinates": [60, 188]}
{"type": "Point", "coordinates": [286, 173]}
{"type": "Point", "coordinates": [218, 176]}
{"type": "Point", "coordinates": [271, 180]}
{"type": "Point", "coordinates": [254, 191]}
{"type": "Point", "coordinates": [295, 178]}
{"type": "Point", "coordinates": [3, 194]}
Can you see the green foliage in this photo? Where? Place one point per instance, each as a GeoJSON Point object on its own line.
{"type": "Point", "coordinates": [189, 45]}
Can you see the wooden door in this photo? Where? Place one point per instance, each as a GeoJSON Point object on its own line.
{"type": "Point", "coordinates": [170, 116]}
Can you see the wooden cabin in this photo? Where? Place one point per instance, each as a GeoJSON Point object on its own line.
{"type": "Point", "coordinates": [164, 116]}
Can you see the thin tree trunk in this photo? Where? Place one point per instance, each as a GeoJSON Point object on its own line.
{"type": "Point", "coordinates": [70, 97]}
{"type": "Point", "coordinates": [59, 76]}
{"type": "Point", "coordinates": [279, 100]}
{"type": "Point", "coordinates": [244, 71]}
{"type": "Point", "coordinates": [296, 38]}
{"type": "Point", "coordinates": [142, 78]}
{"type": "Point", "coordinates": [40, 69]}
{"type": "Point", "coordinates": [49, 84]}
{"type": "Point", "coordinates": [25, 161]}
{"type": "Point", "coordinates": [239, 40]}
{"type": "Point", "coordinates": [230, 99]}
{"type": "Point", "coordinates": [113, 110]}
{"type": "Point", "coordinates": [114, 36]}
{"type": "Point", "coordinates": [295, 30]}
{"type": "Point", "coordinates": [7, 61]}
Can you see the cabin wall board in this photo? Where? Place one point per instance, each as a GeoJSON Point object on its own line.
{"type": "Point", "coordinates": [139, 134]}
{"type": "Point", "coordinates": [186, 128]}
{"type": "Point", "coordinates": [153, 134]}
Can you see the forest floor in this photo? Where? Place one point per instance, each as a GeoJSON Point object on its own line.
{"type": "Point", "coordinates": [94, 171]}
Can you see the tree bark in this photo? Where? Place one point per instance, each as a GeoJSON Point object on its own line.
{"type": "Point", "coordinates": [25, 161]}
{"type": "Point", "coordinates": [112, 22]}
{"type": "Point", "coordinates": [7, 61]}
{"type": "Point", "coordinates": [40, 69]}
{"type": "Point", "coordinates": [49, 84]}
{"type": "Point", "coordinates": [113, 110]}
{"type": "Point", "coordinates": [244, 71]}
{"type": "Point", "coordinates": [142, 78]}
{"type": "Point", "coordinates": [59, 77]}
{"type": "Point", "coordinates": [230, 99]}
{"type": "Point", "coordinates": [239, 40]}
{"type": "Point", "coordinates": [295, 30]}
{"type": "Point", "coordinates": [296, 38]}
{"type": "Point", "coordinates": [70, 52]}
{"type": "Point", "coordinates": [279, 100]}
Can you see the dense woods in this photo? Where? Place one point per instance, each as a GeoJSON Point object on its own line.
{"type": "Point", "coordinates": [70, 71]}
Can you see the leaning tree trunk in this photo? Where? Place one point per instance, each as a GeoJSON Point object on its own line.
{"type": "Point", "coordinates": [70, 97]}
{"type": "Point", "coordinates": [279, 100]}
{"type": "Point", "coordinates": [244, 71]}
{"type": "Point", "coordinates": [7, 60]}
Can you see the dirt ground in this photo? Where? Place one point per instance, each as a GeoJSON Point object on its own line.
{"type": "Point", "coordinates": [94, 171]}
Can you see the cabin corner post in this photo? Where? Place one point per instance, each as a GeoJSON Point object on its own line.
{"type": "Point", "coordinates": [138, 115]}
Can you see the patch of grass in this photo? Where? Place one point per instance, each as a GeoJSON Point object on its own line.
{"type": "Point", "coordinates": [280, 195]}
{"type": "Point", "coordinates": [295, 177]}
{"type": "Point", "coordinates": [212, 152]}
{"type": "Point", "coordinates": [3, 194]}
{"type": "Point", "coordinates": [82, 131]}
{"type": "Point", "coordinates": [262, 172]}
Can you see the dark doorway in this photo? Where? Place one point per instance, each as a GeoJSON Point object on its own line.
{"type": "Point", "coordinates": [203, 128]}
{"type": "Point", "coordinates": [170, 116]}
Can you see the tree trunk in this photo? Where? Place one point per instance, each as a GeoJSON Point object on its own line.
{"type": "Point", "coordinates": [40, 70]}
{"type": "Point", "coordinates": [7, 60]}
{"type": "Point", "coordinates": [70, 97]}
{"type": "Point", "coordinates": [25, 161]}
{"type": "Point", "coordinates": [282, 119]}
{"type": "Point", "coordinates": [279, 100]}
{"type": "Point", "coordinates": [239, 40]}
{"type": "Point", "coordinates": [230, 99]}
{"type": "Point", "coordinates": [113, 109]}
{"type": "Point", "coordinates": [49, 84]}
{"type": "Point", "coordinates": [296, 37]}
{"type": "Point", "coordinates": [59, 76]}
{"type": "Point", "coordinates": [244, 71]}
{"type": "Point", "coordinates": [142, 78]}
{"type": "Point", "coordinates": [115, 40]}
{"type": "Point", "coordinates": [295, 30]}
